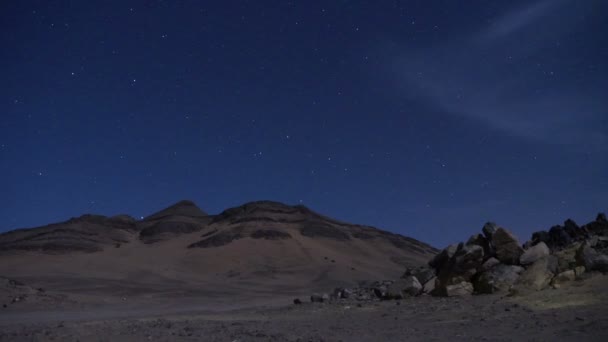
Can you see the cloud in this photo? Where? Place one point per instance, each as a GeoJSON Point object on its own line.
{"type": "Point", "coordinates": [510, 79]}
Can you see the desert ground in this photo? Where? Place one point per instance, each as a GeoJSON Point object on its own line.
{"type": "Point", "coordinates": [575, 312]}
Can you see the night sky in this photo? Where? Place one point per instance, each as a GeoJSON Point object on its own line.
{"type": "Point", "coordinates": [426, 118]}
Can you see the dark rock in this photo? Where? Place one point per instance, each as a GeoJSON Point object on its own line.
{"type": "Point", "coordinates": [441, 259]}
{"type": "Point", "coordinates": [559, 237]}
{"type": "Point", "coordinates": [591, 259]}
{"type": "Point", "coordinates": [534, 253]}
{"type": "Point", "coordinates": [541, 236]}
{"type": "Point", "coordinates": [489, 229]}
{"type": "Point", "coordinates": [268, 234]}
{"type": "Point", "coordinates": [217, 240]}
{"type": "Point", "coordinates": [506, 246]}
{"type": "Point", "coordinates": [601, 218]}
{"type": "Point", "coordinates": [317, 298]}
{"type": "Point", "coordinates": [297, 301]}
{"type": "Point", "coordinates": [324, 231]}
{"type": "Point", "coordinates": [422, 273]}
{"type": "Point", "coordinates": [480, 240]}
{"type": "Point", "coordinates": [499, 278]}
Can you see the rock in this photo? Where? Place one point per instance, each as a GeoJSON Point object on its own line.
{"type": "Point", "coordinates": [461, 267]}
{"type": "Point", "coordinates": [506, 246]}
{"type": "Point", "coordinates": [579, 270]}
{"type": "Point", "coordinates": [559, 237]}
{"type": "Point", "coordinates": [541, 236]}
{"type": "Point", "coordinates": [317, 298]}
{"type": "Point", "coordinates": [408, 286]}
{"type": "Point", "coordinates": [538, 275]}
{"type": "Point", "coordinates": [489, 229]}
{"type": "Point", "coordinates": [423, 274]}
{"type": "Point", "coordinates": [563, 277]}
{"type": "Point", "coordinates": [534, 253]}
{"type": "Point", "coordinates": [325, 297]}
{"type": "Point", "coordinates": [461, 289]}
{"type": "Point", "coordinates": [480, 240]}
{"type": "Point", "coordinates": [499, 278]}
{"type": "Point", "coordinates": [297, 301]}
{"type": "Point", "coordinates": [601, 218]}
{"type": "Point", "coordinates": [443, 257]}
{"type": "Point", "coordinates": [591, 259]}
{"type": "Point", "coordinates": [429, 286]}
{"type": "Point", "coordinates": [488, 264]}
{"type": "Point", "coordinates": [566, 258]}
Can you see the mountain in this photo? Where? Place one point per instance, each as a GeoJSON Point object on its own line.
{"type": "Point", "coordinates": [259, 246]}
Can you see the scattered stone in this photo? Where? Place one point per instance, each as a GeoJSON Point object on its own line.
{"type": "Point", "coordinates": [534, 253]}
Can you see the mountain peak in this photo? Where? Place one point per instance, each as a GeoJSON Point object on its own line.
{"type": "Point", "coordinates": [181, 208]}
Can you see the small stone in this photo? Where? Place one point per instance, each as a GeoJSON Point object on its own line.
{"type": "Point", "coordinates": [297, 301]}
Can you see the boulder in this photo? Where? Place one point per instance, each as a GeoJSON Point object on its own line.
{"type": "Point", "coordinates": [488, 264]}
{"type": "Point", "coordinates": [534, 253]}
{"type": "Point", "coordinates": [559, 238]}
{"type": "Point", "coordinates": [443, 257]}
{"type": "Point", "coordinates": [541, 236]}
{"type": "Point", "coordinates": [506, 246]}
{"type": "Point", "coordinates": [563, 277]}
{"type": "Point", "coordinates": [462, 266]}
{"type": "Point", "coordinates": [408, 286]}
{"type": "Point", "coordinates": [566, 258]}
{"type": "Point", "coordinates": [423, 274]}
{"type": "Point", "coordinates": [591, 259]}
{"type": "Point", "coordinates": [297, 301]}
{"type": "Point", "coordinates": [461, 289]}
{"type": "Point", "coordinates": [489, 229]}
{"type": "Point", "coordinates": [499, 278]}
{"type": "Point", "coordinates": [429, 286]}
{"type": "Point", "coordinates": [480, 240]}
{"type": "Point", "coordinates": [538, 275]}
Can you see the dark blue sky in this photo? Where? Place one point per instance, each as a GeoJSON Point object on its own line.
{"type": "Point", "coordinates": [426, 118]}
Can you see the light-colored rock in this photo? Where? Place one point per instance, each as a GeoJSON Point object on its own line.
{"type": "Point", "coordinates": [534, 253]}
{"type": "Point", "coordinates": [506, 246]}
{"type": "Point", "coordinates": [429, 286]}
{"type": "Point", "coordinates": [563, 277]}
{"type": "Point", "coordinates": [538, 275]}
{"type": "Point", "coordinates": [579, 270]}
{"type": "Point", "coordinates": [461, 289]}
{"type": "Point", "coordinates": [408, 286]}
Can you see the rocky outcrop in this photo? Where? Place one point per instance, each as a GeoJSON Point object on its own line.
{"type": "Point", "coordinates": [538, 276]}
{"type": "Point", "coordinates": [591, 258]}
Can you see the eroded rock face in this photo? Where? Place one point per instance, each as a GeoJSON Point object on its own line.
{"type": "Point", "coordinates": [499, 278]}
{"type": "Point", "coordinates": [507, 247]}
{"type": "Point", "coordinates": [534, 253]}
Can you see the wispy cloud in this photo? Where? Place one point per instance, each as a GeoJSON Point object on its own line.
{"type": "Point", "coordinates": [503, 77]}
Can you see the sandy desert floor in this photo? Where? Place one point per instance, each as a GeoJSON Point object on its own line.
{"type": "Point", "coordinates": [577, 311]}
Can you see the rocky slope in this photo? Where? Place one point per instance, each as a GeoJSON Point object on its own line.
{"type": "Point", "coordinates": [259, 246]}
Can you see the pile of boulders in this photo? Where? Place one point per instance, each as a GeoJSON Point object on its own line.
{"type": "Point", "coordinates": [495, 261]}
